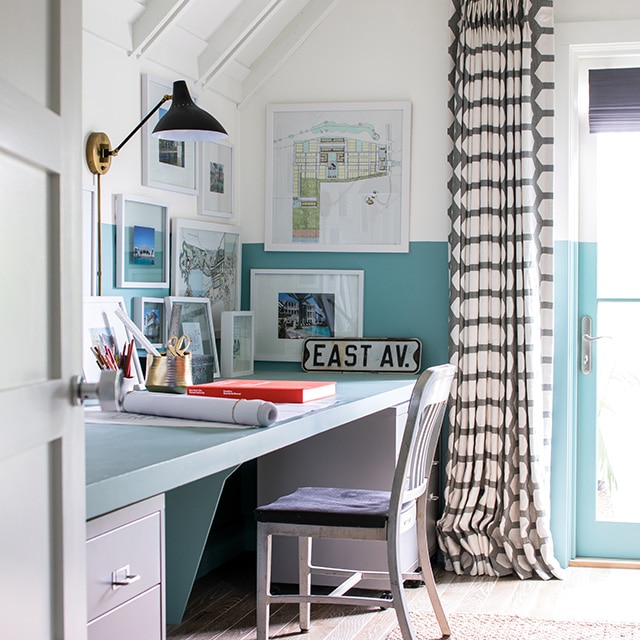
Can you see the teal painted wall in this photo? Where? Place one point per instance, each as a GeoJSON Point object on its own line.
{"type": "Point", "coordinates": [407, 295]}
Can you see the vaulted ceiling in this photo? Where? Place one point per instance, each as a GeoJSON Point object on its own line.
{"type": "Point", "coordinates": [229, 46]}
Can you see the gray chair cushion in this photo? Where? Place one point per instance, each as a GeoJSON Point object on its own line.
{"type": "Point", "coordinates": [329, 506]}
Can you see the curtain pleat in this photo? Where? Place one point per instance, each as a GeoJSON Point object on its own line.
{"type": "Point", "coordinates": [496, 514]}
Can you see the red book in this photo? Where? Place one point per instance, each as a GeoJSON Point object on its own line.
{"type": "Point", "coordinates": [270, 390]}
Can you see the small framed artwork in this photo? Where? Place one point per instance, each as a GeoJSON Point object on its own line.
{"type": "Point", "coordinates": [290, 306]}
{"type": "Point", "coordinates": [215, 186]}
{"type": "Point", "coordinates": [149, 315]}
{"type": "Point", "coordinates": [205, 263]}
{"type": "Point", "coordinates": [236, 343]}
{"type": "Point", "coordinates": [142, 243]}
{"type": "Point", "coordinates": [102, 329]}
{"type": "Point", "coordinates": [192, 317]}
{"type": "Point", "coordinates": [166, 164]}
{"type": "Point", "coordinates": [337, 177]}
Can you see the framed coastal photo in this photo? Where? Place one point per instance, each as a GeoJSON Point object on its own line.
{"type": "Point", "coordinates": [205, 263]}
{"type": "Point", "coordinates": [215, 186]}
{"type": "Point", "coordinates": [192, 317]}
{"type": "Point", "coordinates": [236, 343]}
{"type": "Point", "coordinates": [292, 305]}
{"type": "Point", "coordinates": [102, 328]}
{"type": "Point", "coordinates": [166, 164]}
{"type": "Point", "coordinates": [337, 177]}
{"type": "Point", "coordinates": [142, 243]}
{"type": "Point", "coordinates": [149, 316]}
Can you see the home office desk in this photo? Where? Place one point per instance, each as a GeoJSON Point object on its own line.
{"type": "Point", "coordinates": [189, 465]}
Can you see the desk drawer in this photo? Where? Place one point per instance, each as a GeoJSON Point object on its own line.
{"type": "Point", "coordinates": [137, 619]}
{"type": "Point", "coordinates": [119, 548]}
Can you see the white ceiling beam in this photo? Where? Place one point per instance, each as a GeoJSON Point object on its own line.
{"type": "Point", "coordinates": [229, 38]}
{"type": "Point", "coordinates": [285, 45]}
{"type": "Point", "coordinates": [157, 17]}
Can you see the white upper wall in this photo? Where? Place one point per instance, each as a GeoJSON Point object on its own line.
{"type": "Point", "coordinates": [364, 50]}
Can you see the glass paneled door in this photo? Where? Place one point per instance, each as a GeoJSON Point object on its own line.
{"type": "Point", "coordinates": [608, 432]}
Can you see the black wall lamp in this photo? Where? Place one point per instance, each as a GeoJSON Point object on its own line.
{"type": "Point", "coordinates": [184, 121]}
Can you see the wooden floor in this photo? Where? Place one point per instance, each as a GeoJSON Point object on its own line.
{"type": "Point", "coordinates": [222, 605]}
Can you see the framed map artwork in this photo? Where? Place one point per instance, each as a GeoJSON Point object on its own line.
{"type": "Point", "coordinates": [338, 177]}
{"type": "Point", "coordinates": [205, 263]}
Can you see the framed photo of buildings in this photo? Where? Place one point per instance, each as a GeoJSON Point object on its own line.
{"type": "Point", "coordinates": [149, 315]}
{"type": "Point", "coordinates": [205, 263]}
{"type": "Point", "coordinates": [166, 164]}
{"type": "Point", "coordinates": [215, 186]}
{"type": "Point", "coordinates": [290, 306]}
{"type": "Point", "coordinates": [142, 243]}
{"type": "Point", "coordinates": [338, 177]}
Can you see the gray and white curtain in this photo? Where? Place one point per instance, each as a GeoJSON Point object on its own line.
{"type": "Point", "coordinates": [496, 514]}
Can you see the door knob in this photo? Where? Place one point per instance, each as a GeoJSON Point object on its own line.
{"type": "Point", "coordinates": [108, 390]}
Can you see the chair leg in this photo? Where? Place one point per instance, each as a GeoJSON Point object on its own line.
{"type": "Point", "coordinates": [427, 571]}
{"type": "Point", "coordinates": [304, 577]}
{"type": "Point", "coordinates": [397, 588]}
{"type": "Point", "coordinates": [263, 582]}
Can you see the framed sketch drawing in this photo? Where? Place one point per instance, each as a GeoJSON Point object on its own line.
{"type": "Point", "coordinates": [206, 264]}
{"type": "Point", "coordinates": [166, 164]}
{"type": "Point", "coordinates": [338, 177]}
{"type": "Point", "coordinates": [102, 328]}
{"type": "Point", "coordinates": [236, 344]}
{"type": "Point", "coordinates": [290, 306]}
{"type": "Point", "coordinates": [215, 186]}
{"type": "Point", "coordinates": [192, 317]}
{"type": "Point", "coordinates": [149, 316]}
{"type": "Point", "coordinates": [142, 243]}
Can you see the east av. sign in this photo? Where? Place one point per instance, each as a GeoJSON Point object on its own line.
{"type": "Point", "coordinates": [379, 355]}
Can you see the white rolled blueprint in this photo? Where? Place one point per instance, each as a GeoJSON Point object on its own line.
{"type": "Point", "coordinates": [249, 412]}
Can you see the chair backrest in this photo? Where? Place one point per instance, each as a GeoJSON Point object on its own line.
{"type": "Point", "coordinates": [427, 408]}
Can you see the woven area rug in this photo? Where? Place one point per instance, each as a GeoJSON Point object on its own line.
{"type": "Point", "coordinates": [467, 626]}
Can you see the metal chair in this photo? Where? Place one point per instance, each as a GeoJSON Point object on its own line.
{"type": "Point", "coordinates": [356, 514]}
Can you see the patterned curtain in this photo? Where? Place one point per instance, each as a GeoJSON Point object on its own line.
{"type": "Point", "coordinates": [496, 515]}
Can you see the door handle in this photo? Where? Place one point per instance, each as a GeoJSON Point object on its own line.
{"type": "Point", "coordinates": [585, 344]}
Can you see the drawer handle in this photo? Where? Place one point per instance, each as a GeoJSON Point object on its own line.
{"type": "Point", "coordinates": [432, 497]}
{"type": "Point", "coordinates": [122, 578]}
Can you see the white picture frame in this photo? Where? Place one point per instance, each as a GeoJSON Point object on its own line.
{"type": "Point", "coordinates": [333, 306]}
{"type": "Point", "coordinates": [206, 263]}
{"type": "Point", "coordinates": [196, 321]}
{"type": "Point", "coordinates": [236, 343]}
{"type": "Point", "coordinates": [142, 243]}
{"type": "Point", "coordinates": [337, 177]}
{"type": "Point", "coordinates": [166, 164]}
{"type": "Point", "coordinates": [149, 314]}
{"type": "Point", "coordinates": [215, 183]}
{"type": "Point", "coordinates": [101, 326]}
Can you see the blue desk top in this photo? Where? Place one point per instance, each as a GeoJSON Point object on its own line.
{"type": "Point", "coordinates": [127, 463]}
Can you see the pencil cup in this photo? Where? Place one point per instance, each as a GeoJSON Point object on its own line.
{"type": "Point", "coordinates": [169, 373]}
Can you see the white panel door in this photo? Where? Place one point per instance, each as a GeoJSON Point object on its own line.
{"type": "Point", "coordinates": [42, 565]}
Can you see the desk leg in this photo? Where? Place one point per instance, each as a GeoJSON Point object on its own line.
{"type": "Point", "coordinates": [189, 512]}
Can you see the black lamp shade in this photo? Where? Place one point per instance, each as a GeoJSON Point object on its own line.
{"type": "Point", "coordinates": [186, 121]}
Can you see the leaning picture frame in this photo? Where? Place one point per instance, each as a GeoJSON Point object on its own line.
{"type": "Point", "coordinates": [142, 243]}
{"type": "Point", "coordinates": [205, 263]}
{"type": "Point", "coordinates": [101, 327]}
{"type": "Point", "coordinates": [149, 316]}
{"type": "Point", "coordinates": [215, 183]}
{"type": "Point", "coordinates": [292, 305]}
{"type": "Point", "coordinates": [236, 343]}
{"type": "Point", "coordinates": [337, 177]}
{"type": "Point", "coordinates": [192, 317]}
{"type": "Point", "coordinates": [166, 164]}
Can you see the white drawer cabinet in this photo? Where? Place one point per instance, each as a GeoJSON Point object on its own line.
{"type": "Point", "coordinates": [125, 573]}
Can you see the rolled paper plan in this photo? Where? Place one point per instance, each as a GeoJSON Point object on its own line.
{"type": "Point", "coordinates": [248, 412]}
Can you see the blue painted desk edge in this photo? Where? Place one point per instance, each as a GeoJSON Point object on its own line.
{"type": "Point", "coordinates": [128, 463]}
